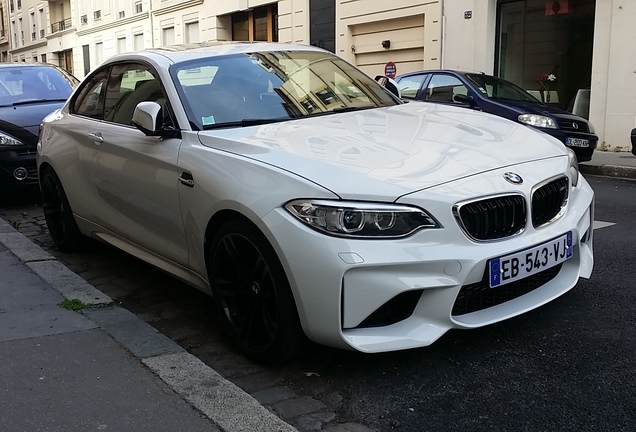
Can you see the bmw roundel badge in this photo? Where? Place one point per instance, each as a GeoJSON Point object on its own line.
{"type": "Point", "coordinates": [513, 178]}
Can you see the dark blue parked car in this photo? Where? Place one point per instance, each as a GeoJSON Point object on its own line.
{"type": "Point", "coordinates": [28, 93]}
{"type": "Point", "coordinates": [503, 98]}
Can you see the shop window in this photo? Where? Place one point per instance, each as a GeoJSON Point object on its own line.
{"type": "Point", "coordinates": [538, 39]}
{"type": "Point", "coordinates": [259, 24]}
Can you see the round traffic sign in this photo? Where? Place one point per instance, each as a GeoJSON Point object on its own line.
{"type": "Point", "coordinates": [390, 70]}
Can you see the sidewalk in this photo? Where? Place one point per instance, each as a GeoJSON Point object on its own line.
{"type": "Point", "coordinates": [610, 164]}
{"type": "Point", "coordinates": [103, 368]}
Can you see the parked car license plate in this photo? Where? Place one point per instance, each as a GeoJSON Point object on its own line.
{"type": "Point", "coordinates": [519, 265]}
{"type": "Point", "coordinates": [577, 142]}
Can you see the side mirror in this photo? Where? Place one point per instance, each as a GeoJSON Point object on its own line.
{"type": "Point", "coordinates": [390, 84]}
{"type": "Point", "coordinates": [463, 99]}
{"type": "Point", "coordinates": [146, 118]}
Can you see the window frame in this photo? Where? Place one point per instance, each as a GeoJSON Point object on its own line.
{"type": "Point", "coordinates": [425, 90]}
{"type": "Point", "coordinates": [169, 117]}
{"type": "Point", "coordinates": [419, 93]}
{"type": "Point", "coordinates": [85, 90]}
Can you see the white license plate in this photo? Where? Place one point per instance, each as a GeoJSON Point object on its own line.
{"type": "Point", "coordinates": [522, 264]}
{"type": "Point", "coordinates": [577, 142]}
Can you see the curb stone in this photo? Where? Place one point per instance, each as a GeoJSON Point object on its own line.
{"type": "Point", "coordinates": [205, 389]}
{"type": "Point", "coordinates": [608, 170]}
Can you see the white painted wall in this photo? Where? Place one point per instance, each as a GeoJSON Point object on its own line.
{"type": "Point", "coordinates": [469, 43]}
{"type": "Point", "coordinates": [613, 101]}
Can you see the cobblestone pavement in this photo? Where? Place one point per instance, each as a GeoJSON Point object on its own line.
{"type": "Point", "coordinates": [187, 316]}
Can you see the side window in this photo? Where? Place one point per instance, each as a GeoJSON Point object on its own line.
{"type": "Point", "coordinates": [410, 85]}
{"type": "Point", "coordinates": [90, 101]}
{"type": "Point", "coordinates": [443, 88]}
{"type": "Point", "coordinates": [128, 85]}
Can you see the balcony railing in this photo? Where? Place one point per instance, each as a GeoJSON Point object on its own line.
{"type": "Point", "coordinates": [61, 25]}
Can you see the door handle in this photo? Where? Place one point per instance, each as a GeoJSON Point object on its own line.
{"type": "Point", "coordinates": [186, 179]}
{"type": "Point", "coordinates": [96, 137]}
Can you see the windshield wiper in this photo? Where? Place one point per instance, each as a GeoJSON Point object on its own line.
{"type": "Point", "coordinates": [244, 123]}
{"type": "Point", "coordinates": [342, 109]}
{"type": "Point", "coordinates": [338, 110]}
{"type": "Point", "coordinates": [30, 101]}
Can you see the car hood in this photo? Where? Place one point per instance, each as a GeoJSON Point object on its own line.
{"type": "Point", "coordinates": [388, 152]}
{"type": "Point", "coordinates": [537, 108]}
{"type": "Point", "coordinates": [26, 116]}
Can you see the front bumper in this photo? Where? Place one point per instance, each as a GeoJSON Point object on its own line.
{"type": "Point", "coordinates": [12, 159]}
{"type": "Point", "coordinates": [384, 295]}
{"type": "Point", "coordinates": [583, 154]}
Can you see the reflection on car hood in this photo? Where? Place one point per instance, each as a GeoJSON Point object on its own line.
{"type": "Point", "coordinates": [387, 152]}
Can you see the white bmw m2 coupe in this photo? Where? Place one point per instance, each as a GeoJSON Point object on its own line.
{"type": "Point", "coordinates": [309, 201]}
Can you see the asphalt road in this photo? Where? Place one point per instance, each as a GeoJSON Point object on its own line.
{"type": "Point", "coordinates": [570, 365]}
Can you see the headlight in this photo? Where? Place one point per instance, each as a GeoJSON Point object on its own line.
{"type": "Point", "coordinates": [574, 167]}
{"type": "Point", "coordinates": [361, 220]}
{"type": "Point", "coordinates": [8, 140]}
{"type": "Point", "coordinates": [537, 121]}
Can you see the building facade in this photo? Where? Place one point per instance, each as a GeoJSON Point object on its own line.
{"type": "Point", "coordinates": [585, 44]}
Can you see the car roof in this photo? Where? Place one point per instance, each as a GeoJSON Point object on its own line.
{"type": "Point", "coordinates": [184, 52]}
{"type": "Point", "coordinates": [449, 71]}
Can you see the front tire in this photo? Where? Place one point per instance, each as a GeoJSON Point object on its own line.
{"type": "Point", "coordinates": [57, 212]}
{"type": "Point", "coordinates": [253, 294]}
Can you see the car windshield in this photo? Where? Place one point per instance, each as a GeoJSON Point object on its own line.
{"type": "Point", "coordinates": [497, 88]}
{"type": "Point", "coordinates": [33, 83]}
{"type": "Point", "coordinates": [246, 89]}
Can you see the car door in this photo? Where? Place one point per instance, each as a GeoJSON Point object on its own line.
{"type": "Point", "coordinates": [133, 177]}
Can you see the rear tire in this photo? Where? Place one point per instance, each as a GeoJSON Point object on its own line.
{"type": "Point", "coordinates": [253, 295]}
{"type": "Point", "coordinates": [58, 214]}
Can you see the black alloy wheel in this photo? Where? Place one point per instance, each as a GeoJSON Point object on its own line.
{"type": "Point", "coordinates": [57, 212]}
{"type": "Point", "coordinates": [253, 294]}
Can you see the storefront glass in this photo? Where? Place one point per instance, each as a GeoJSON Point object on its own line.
{"type": "Point", "coordinates": [545, 46]}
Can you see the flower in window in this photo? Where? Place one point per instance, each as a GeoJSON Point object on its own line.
{"type": "Point", "coordinates": [544, 82]}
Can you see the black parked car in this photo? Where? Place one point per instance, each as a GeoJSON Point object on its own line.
{"type": "Point", "coordinates": [633, 137]}
{"type": "Point", "coordinates": [28, 93]}
{"type": "Point", "coordinates": [503, 98]}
